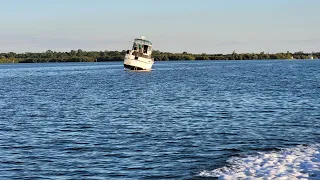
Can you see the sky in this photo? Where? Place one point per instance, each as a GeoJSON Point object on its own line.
{"type": "Point", "coordinates": [194, 26]}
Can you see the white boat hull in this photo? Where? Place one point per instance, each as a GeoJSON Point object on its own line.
{"type": "Point", "coordinates": [137, 63]}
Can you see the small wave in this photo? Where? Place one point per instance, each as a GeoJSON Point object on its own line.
{"type": "Point", "coordinates": [301, 162]}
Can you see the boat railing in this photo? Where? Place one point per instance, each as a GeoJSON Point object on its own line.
{"type": "Point", "coordinates": [140, 54]}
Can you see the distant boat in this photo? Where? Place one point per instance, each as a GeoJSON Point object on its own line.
{"type": "Point", "coordinates": [139, 58]}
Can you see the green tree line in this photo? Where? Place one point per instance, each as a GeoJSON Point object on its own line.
{"type": "Point", "coordinates": [103, 56]}
{"type": "Point", "coordinates": [165, 56]}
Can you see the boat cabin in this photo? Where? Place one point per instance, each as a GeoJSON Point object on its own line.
{"type": "Point", "coordinates": [143, 46]}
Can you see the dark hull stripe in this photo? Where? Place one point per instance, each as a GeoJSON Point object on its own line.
{"type": "Point", "coordinates": [132, 67]}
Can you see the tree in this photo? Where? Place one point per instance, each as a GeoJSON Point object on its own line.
{"type": "Point", "coordinates": [79, 53]}
{"type": "Point", "coordinates": [73, 53]}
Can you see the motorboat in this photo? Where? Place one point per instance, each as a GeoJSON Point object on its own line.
{"type": "Point", "coordinates": [139, 58]}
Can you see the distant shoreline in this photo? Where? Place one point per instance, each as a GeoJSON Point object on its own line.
{"type": "Point", "coordinates": [109, 56]}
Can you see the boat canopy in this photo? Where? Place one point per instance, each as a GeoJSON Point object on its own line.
{"type": "Point", "coordinates": [142, 41]}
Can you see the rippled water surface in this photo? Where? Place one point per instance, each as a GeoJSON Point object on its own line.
{"type": "Point", "coordinates": [179, 121]}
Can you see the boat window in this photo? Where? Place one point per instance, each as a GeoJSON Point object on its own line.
{"type": "Point", "coordinates": [145, 49]}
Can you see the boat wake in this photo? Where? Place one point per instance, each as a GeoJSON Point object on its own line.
{"type": "Point", "coordinates": [301, 162]}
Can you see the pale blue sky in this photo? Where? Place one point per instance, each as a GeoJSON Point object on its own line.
{"type": "Point", "coordinates": [202, 26]}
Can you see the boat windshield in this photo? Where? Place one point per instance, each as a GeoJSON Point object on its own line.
{"type": "Point", "coordinates": [142, 41]}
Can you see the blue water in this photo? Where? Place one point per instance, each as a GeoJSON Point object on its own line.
{"type": "Point", "coordinates": [97, 121]}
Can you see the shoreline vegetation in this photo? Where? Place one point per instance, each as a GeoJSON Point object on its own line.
{"type": "Point", "coordinates": [105, 56]}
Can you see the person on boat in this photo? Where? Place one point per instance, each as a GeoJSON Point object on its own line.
{"type": "Point", "coordinates": [135, 47]}
{"type": "Point", "coordinates": [140, 48]}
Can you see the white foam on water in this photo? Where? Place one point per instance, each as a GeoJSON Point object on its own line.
{"type": "Point", "coordinates": [301, 162]}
